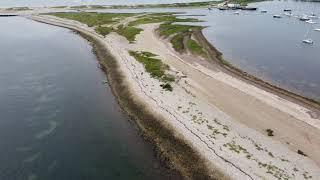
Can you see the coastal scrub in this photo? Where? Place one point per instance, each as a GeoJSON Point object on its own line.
{"type": "Point", "coordinates": [128, 32]}
{"type": "Point", "coordinates": [155, 67]}
{"type": "Point", "coordinates": [93, 18]}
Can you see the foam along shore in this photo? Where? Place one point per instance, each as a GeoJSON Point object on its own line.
{"type": "Point", "coordinates": [220, 116]}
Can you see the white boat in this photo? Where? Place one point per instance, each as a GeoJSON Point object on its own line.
{"type": "Point", "coordinates": [287, 14]}
{"type": "Point", "coordinates": [276, 16]}
{"type": "Point", "coordinates": [318, 29]}
{"type": "Point", "coordinates": [237, 12]}
{"type": "Point", "coordinates": [304, 18]}
{"type": "Point", "coordinates": [311, 22]}
{"type": "Point", "coordinates": [307, 41]}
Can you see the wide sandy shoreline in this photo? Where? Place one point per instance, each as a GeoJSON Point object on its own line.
{"type": "Point", "coordinates": [171, 140]}
{"type": "Point", "coordinates": [173, 150]}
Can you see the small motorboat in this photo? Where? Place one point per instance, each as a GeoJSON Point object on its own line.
{"type": "Point", "coordinates": [276, 16]}
{"type": "Point", "coordinates": [223, 8]}
{"type": "Point", "coordinates": [249, 8]}
{"type": "Point", "coordinates": [318, 29]}
{"type": "Point", "coordinates": [237, 13]}
{"type": "Point", "coordinates": [311, 22]}
{"type": "Point", "coordinates": [307, 41]}
{"type": "Point", "coordinates": [287, 10]}
{"type": "Point", "coordinates": [263, 11]}
{"type": "Point", "coordinates": [287, 14]}
{"type": "Point", "coordinates": [304, 18]}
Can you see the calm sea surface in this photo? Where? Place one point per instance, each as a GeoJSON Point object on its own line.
{"type": "Point", "coordinates": [269, 48]}
{"type": "Point", "coordinates": [58, 121]}
{"type": "Point", "coordinates": [39, 3]}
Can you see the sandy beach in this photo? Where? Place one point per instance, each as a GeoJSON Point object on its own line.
{"type": "Point", "coordinates": [221, 116]}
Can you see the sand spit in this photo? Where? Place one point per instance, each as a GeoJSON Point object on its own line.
{"type": "Point", "coordinates": [223, 118]}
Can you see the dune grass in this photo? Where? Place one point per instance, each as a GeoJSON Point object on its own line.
{"type": "Point", "coordinates": [103, 30]}
{"type": "Point", "coordinates": [177, 42]}
{"type": "Point", "coordinates": [154, 66]}
{"type": "Point", "coordinates": [195, 48]}
{"type": "Point", "coordinates": [129, 32]}
{"type": "Point", "coordinates": [168, 29]}
{"type": "Point", "coordinates": [93, 18]}
{"type": "Point", "coordinates": [161, 18]}
{"type": "Point", "coordinates": [180, 34]}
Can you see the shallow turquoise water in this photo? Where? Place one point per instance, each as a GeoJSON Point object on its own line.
{"type": "Point", "coordinates": [58, 121]}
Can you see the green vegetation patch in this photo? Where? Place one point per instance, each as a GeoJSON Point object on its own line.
{"type": "Point", "coordinates": [79, 7]}
{"type": "Point", "coordinates": [97, 7]}
{"type": "Point", "coordinates": [155, 67]}
{"type": "Point", "coordinates": [168, 29]}
{"type": "Point", "coordinates": [161, 18]}
{"type": "Point", "coordinates": [93, 18]}
{"type": "Point", "coordinates": [167, 86]}
{"type": "Point", "coordinates": [195, 48]}
{"type": "Point", "coordinates": [177, 42]}
{"type": "Point", "coordinates": [19, 9]}
{"type": "Point", "coordinates": [59, 7]}
{"type": "Point", "coordinates": [129, 32]}
{"type": "Point", "coordinates": [103, 30]}
{"type": "Point", "coordinates": [181, 37]}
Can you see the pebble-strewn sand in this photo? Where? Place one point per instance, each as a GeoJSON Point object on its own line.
{"type": "Point", "coordinates": [223, 117]}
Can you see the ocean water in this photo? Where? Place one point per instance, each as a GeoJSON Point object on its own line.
{"type": "Point", "coordinates": [268, 48]}
{"type": "Point", "coordinates": [41, 3]}
{"type": "Point", "coordinates": [58, 120]}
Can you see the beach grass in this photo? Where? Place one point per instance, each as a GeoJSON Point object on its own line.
{"type": "Point", "coordinates": [168, 29]}
{"type": "Point", "coordinates": [154, 66]}
{"type": "Point", "coordinates": [161, 18]}
{"type": "Point", "coordinates": [103, 30]}
{"type": "Point", "coordinates": [195, 48]}
{"type": "Point", "coordinates": [92, 18]}
{"type": "Point", "coordinates": [177, 42]}
{"type": "Point", "coordinates": [129, 32]}
{"type": "Point", "coordinates": [19, 9]}
{"type": "Point", "coordinates": [180, 39]}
